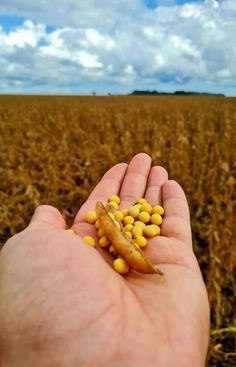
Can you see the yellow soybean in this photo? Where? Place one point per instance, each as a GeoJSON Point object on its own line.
{"type": "Point", "coordinates": [89, 240]}
{"type": "Point", "coordinates": [128, 227]}
{"type": "Point", "coordinates": [97, 224]}
{"type": "Point", "coordinates": [142, 201]}
{"type": "Point", "coordinates": [114, 204]}
{"type": "Point", "coordinates": [139, 223]}
{"type": "Point", "coordinates": [144, 217]}
{"type": "Point", "coordinates": [103, 242]}
{"type": "Point", "coordinates": [140, 241]}
{"type": "Point", "coordinates": [146, 208]}
{"type": "Point", "coordinates": [156, 219]}
{"type": "Point", "coordinates": [134, 211]}
{"type": "Point", "coordinates": [152, 230]}
{"type": "Point", "coordinates": [137, 231]}
{"type": "Point", "coordinates": [128, 219]}
{"type": "Point", "coordinates": [100, 232]}
{"type": "Point", "coordinates": [121, 266]}
{"type": "Point", "coordinates": [115, 198]}
{"type": "Point", "coordinates": [91, 217]}
{"type": "Point", "coordinates": [157, 209]}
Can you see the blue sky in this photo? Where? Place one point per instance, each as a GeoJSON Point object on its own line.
{"type": "Point", "coordinates": [78, 47]}
{"type": "Point", "coordinates": [152, 4]}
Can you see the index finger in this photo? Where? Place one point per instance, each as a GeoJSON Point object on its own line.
{"type": "Point", "coordinates": [109, 185]}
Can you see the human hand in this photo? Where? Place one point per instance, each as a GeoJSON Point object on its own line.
{"type": "Point", "coordinates": [63, 305]}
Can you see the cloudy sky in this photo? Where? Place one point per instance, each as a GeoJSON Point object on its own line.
{"type": "Point", "coordinates": [115, 46]}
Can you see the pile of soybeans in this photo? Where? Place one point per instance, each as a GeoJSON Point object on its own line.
{"type": "Point", "coordinates": [125, 232]}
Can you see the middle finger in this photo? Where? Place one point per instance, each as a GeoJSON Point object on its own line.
{"type": "Point", "coordinates": [135, 180]}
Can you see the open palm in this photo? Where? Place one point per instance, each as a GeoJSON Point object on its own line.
{"type": "Point", "coordinates": [71, 309]}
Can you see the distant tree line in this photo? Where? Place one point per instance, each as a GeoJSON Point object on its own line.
{"type": "Point", "coordinates": [176, 93]}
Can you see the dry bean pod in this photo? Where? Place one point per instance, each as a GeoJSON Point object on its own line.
{"type": "Point", "coordinates": [133, 255]}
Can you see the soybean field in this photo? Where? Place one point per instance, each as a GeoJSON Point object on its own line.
{"type": "Point", "coordinates": [53, 150]}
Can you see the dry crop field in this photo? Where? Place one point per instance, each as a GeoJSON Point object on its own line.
{"type": "Point", "coordinates": [55, 149]}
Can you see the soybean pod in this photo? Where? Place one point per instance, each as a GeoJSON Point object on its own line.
{"type": "Point", "coordinates": [131, 252]}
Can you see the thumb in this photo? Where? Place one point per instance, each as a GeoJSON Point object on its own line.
{"type": "Point", "coordinates": [47, 217]}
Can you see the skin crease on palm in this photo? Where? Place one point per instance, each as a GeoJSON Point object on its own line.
{"type": "Point", "coordinates": [62, 304]}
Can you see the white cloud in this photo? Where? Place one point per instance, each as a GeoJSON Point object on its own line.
{"type": "Point", "coordinates": [94, 38]}
{"type": "Point", "coordinates": [72, 13]}
{"type": "Point", "coordinates": [129, 70]}
{"type": "Point", "coordinates": [88, 60]}
{"type": "Point", "coordinates": [229, 5]}
{"type": "Point", "coordinates": [224, 74]}
{"type": "Point", "coordinates": [28, 34]}
{"type": "Point", "coordinates": [119, 42]}
{"type": "Point", "coordinates": [191, 11]}
{"type": "Point", "coordinates": [110, 68]}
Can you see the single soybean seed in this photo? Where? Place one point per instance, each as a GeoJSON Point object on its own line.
{"type": "Point", "coordinates": [156, 219]}
{"type": "Point", "coordinates": [91, 217]}
{"type": "Point", "coordinates": [139, 223]}
{"type": "Point", "coordinates": [157, 209]}
{"type": "Point", "coordinates": [137, 231]}
{"type": "Point", "coordinates": [114, 204]}
{"type": "Point", "coordinates": [142, 201]}
{"type": "Point", "coordinates": [128, 219]}
{"type": "Point", "coordinates": [140, 241]}
{"type": "Point", "coordinates": [128, 227]}
{"type": "Point", "coordinates": [144, 217]}
{"type": "Point", "coordinates": [70, 230]}
{"type": "Point", "coordinates": [121, 266]}
{"type": "Point", "coordinates": [152, 230]}
{"type": "Point", "coordinates": [146, 208]}
{"type": "Point", "coordinates": [97, 224]}
{"type": "Point", "coordinates": [89, 240]}
{"type": "Point", "coordinates": [134, 211]}
{"type": "Point", "coordinates": [103, 242]}
{"type": "Point", "coordinates": [115, 198]}
{"type": "Point", "coordinates": [100, 232]}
